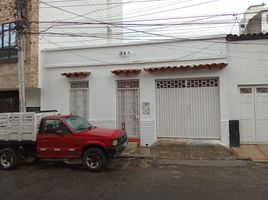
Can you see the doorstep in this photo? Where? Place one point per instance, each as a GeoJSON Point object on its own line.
{"type": "Point", "coordinates": [254, 152]}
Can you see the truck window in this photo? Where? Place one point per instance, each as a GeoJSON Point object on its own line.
{"type": "Point", "coordinates": [78, 123]}
{"type": "Point", "coordinates": [52, 126]}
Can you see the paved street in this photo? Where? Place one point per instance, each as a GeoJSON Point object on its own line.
{"type": "Point", "coordinates": [127, 178]}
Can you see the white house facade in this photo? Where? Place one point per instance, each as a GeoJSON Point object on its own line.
{"type": "Point", "coordinates": [187, 89]}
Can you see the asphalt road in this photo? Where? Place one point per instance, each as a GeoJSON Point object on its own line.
{"type": "Point", "coordinates": [137, 179]}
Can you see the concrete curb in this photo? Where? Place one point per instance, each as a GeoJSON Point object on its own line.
{"type": "Point", "coordinates": [134, 156]}
{"type": "Point", "coordinates": [203, 163]}
{"type": "Point", "coordinates": [260, 161]}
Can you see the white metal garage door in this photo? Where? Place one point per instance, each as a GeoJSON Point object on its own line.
{"type": "Point", "coordinates": [188, 108]}
{"type": "Point", "coordinates": [254, 114]}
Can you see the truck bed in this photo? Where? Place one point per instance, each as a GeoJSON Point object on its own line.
{"type": "Point", "coordinates": [20, 126]}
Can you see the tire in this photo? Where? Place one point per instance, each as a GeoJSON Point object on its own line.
{"type": "Point", "coordinates": [94, 159]}
{"type": "Point", "coordinates": [8, 159]}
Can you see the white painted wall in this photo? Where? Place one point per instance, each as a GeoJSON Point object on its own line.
{"type": "Point", "coordinates": [247, 64]}
{"type": "Point", "coordinates": [100, 61]}
{"type": "Point", "coordinates": [264, 24]}
{"type": "Point", "coordinates": [136, 53]}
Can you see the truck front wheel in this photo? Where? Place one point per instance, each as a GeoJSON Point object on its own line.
{"type": "Point", "coordinates": [8, 158]}
{"type": "Point", "coordinates": [94, 159]}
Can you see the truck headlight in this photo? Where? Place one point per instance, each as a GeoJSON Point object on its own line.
{"type": "Point", "coordinates": [115, 142]}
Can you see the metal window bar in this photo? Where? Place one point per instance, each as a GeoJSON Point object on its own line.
{"type": "Point", "coordinates": [8, 42]}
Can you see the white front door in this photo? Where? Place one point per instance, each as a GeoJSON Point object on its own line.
{"type": "Point", "coordinates": [254, 114]}
{"type": "Point", "coordinates": [247, 115]}
{"type": "Point", "coordinates": [261, 100]}
{"type": "Point", "coordinates": [128, 106]}
{"type": "Point", "coordinates": [79, 98]}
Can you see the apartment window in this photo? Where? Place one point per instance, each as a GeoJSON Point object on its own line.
{"type": "Point", "coordinates": [8, 42]}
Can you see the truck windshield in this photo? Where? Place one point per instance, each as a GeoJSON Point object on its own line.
{"type": "Point", "coordinates": [78, 123]}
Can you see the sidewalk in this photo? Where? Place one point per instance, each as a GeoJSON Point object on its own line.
{"type": "Point", "coordinates": [134, 150]}
{"type": "Point", "coordinates": [254, 152]}
{"type": "Point", "coordinates": [180, 150]}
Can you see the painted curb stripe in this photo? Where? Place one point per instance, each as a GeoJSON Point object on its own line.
{"type": "Point", "coordinates": [235, 153]}
{"type": "Point", "coordinates": [261, 150]}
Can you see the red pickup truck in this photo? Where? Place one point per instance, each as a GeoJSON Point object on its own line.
{"type": "Point", "coordinates": [58, 138]}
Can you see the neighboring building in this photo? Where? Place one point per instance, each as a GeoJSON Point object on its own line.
{"type": "Point", "coordinates": [9, 95]}
{"type": "Point", "coordinates": [101, 23]}
{"type": "Point", "coordinates": [248, 85]}
{"type": "Point", "coordinates": [166, 89]}
{"type": "Point", "coordinates": [255, 20]}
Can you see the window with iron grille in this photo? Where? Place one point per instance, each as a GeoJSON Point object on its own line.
{"type": "Point", "coordinates": [8, 38]}
{"type": "Point", "coordinates": [79, 84]}
{"type": "Point", "coordinates": [128, 84]}
{"type": "Point", "coordinates": [245, 90]}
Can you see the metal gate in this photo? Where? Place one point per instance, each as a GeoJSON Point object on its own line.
{"type": "Point", "coordinates": [128, 106]}
{"type": "Point", "coordinates": [79, 98]}
{"type": "Point", "coordinates": [188, 108]}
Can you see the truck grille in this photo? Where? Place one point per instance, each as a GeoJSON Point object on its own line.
{"type": "Point", "coordinates": [122, 139]}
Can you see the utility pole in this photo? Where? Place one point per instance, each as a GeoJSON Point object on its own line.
{"type": "Point", "coordinates": [21, 26]}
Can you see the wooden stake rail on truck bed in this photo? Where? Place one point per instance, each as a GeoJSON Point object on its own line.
{"type": "Point", "coordinates": [21, 126]}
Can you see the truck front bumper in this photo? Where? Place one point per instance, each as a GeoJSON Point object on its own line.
{"type": "Point", "coordinates": [113, 152]}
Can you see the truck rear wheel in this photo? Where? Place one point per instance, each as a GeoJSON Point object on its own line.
{"type": "Point", "coordinates": [8, 159]}
{"type": "Point", "coordinates": [94, 159]}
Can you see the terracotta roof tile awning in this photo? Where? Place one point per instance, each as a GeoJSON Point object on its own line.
{"type": "Point", "coordinates": [126, 71]}
{"type": "Point", "coordinates": [255, 36]}
{"type": "Point", "coordinates": [185, 67]}
{"type": "Point", "coordinates": [76, 74]}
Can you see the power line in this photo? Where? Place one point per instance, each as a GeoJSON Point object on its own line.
{"type": "Point", "coordinates": [94, 8]}
{"type": "Point", "coordinates": [99, 20]}
{"type": "Point", "coordinates": [168, 10]}
{"type": "Point", "coordinates": [120, 26]}
{"type": "Point", "coordinates": [63, 32]}
{"type": "Point", "coordinates": [149, 8]}
{"type": "Point", "coordinates": [201, 39]}
{"type": "Point", "coordinates": [72, 52]}
{"type": "Point", "coordinates": [96, 4]}
{"type": "Point", "coordinates": [175, 59]}
{"type": "Point", "coordinates": [147, 20]}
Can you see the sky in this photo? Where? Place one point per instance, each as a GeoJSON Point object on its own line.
{"type": "Point", "coordinates": [178, 9]}
{"type": "Point", "coordinates": [218, 6]}
{"type": "Point", "coordinates": [142, 20]}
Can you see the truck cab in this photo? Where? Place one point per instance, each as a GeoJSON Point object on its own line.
{"type": "Point", "coordinates": [67, 137]}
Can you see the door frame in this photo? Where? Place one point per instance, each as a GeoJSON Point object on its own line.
{"type": "Point", "coordinates": [138, 104]}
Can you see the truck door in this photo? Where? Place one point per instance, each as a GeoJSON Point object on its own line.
{"type": "Point", "coordinates": [56, 140]}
